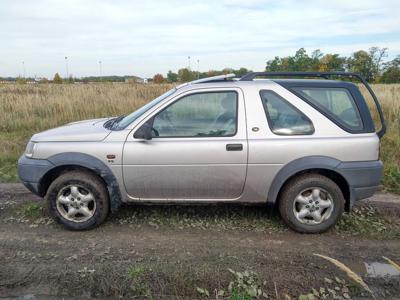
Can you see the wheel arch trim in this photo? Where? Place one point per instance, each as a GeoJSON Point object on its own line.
{"type": "Point", "coordinates": [300, 165]}
{"type": "Point", "coordinates": [94, 164]}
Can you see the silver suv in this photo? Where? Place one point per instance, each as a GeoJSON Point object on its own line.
{"type": "Point", "coordinates": [308, 146]}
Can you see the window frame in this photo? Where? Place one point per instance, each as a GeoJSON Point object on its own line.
{"type": "Point", "coordinates": [291, 106]}
{"type": "Point", "coordinates": [327, 114]}
{"type": "Point", "coordinates": [151, 120]}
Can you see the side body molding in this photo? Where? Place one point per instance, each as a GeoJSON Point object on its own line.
{"type": "Point", "coordinates": [96, 165]}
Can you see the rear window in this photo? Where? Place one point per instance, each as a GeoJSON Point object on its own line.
{"type": "Point", "coordinates": [336, 103]}
{"type": "Point", "coordinates": [283, 118]}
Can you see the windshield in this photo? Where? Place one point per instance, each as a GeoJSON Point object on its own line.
{"type": "Point", "coordinates": [124, 122]}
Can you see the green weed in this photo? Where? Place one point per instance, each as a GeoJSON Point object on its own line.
{"type": "Point", "coordinates": [30, 210]}
{"type": "Point", "coordinates": [367, 221]}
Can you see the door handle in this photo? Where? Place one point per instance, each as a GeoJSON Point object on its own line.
{"type": "Point", "coordinates": [234, 147]}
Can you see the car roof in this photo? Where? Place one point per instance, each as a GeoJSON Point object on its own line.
{"type": "Point", "coordinates": [319, 79]}
{"type": "Point", "coordinates": [322, 83]}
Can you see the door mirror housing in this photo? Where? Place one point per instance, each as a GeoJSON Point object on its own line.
{"type": "Point", "coordinates": [144, 132]}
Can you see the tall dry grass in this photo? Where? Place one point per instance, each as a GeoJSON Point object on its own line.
{"type": "Point", "coordinates": [389, 97]}
{"type": "Point", "coordinates": [38, 107]}
{"type": "Point", "coordinates": [26, 109]}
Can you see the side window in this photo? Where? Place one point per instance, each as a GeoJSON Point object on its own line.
{"type": "Point", "coordinates": [199, 115]}
{"type": "Point", "coordinates": [284, 118]}
{"type": "Point", "coordinates": [336, 103]}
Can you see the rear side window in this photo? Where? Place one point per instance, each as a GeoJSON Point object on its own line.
{"type": "Point", "coordinates": [283, 118]}
{"type": "Point", "coordinates": [336, 103]}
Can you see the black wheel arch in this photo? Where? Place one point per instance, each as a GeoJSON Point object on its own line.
{"type": "Point", "coordinates": [69, 161]}
{"type": "Point", "coordinates": [322, 165]}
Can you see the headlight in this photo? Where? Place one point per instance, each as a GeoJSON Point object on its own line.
{"type": "Point", "coordinates": [30, 148]}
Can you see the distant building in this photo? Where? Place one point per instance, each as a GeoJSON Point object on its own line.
{"type": "Point", "coordinates": [135, 80]}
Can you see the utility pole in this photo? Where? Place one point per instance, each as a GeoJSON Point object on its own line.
{"type": "Point", "coordinates": [101, 73]}
{"type": "Point", "coordinates": [189, 63]}
{"type": "Point", "coordinates": [198, 70]}
{"type": "Point", "coordinates": [23, 69]}
{"type": "Point", "coordinates": [66, 67]}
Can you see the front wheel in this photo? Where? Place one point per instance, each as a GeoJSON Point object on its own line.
{"type": "Point", "coordinates": [78, 200]}
{"type": "Point", "coordinates": [311, 203]}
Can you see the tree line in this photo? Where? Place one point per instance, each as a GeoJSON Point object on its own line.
{"type": "Point", "coordinates": [370, 64]}
{"type": "Point", "coordinates": [71, 79]}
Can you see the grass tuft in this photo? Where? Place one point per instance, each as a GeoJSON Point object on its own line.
{"type": "Point", "coordinates": [30, 210]}
{"type": "Point", "coordinates": [366, 221]}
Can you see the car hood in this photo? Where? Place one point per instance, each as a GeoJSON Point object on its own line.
{"type": "Point", "coordinates": [81, 131]}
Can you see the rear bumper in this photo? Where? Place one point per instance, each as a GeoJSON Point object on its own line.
{"type": "Point", "coordinates": [31, 171]}
{"type": "Point", "coordinates": [363, 178]}
{"type": "Point", "coordinates": [364, 192]}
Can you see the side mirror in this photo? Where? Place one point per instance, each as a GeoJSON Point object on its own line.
{"type": "Point", "coordinates": [144, 132]}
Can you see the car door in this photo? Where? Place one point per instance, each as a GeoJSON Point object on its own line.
{"type": "Point", "coordinates": [198, 149]}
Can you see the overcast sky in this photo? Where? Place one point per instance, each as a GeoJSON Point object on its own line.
{"type": "Point", "coordinates": [145, 37]}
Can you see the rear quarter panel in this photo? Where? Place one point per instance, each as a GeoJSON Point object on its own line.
{"type": "Point", "coordinates": [269, 153]}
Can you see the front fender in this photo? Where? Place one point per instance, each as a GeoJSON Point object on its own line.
{"type": "Point", "coordinates": [97, 166]}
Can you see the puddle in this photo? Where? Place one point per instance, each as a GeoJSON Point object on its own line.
{"type": "Point", "coordinates": [373, 269]}
{"type": "Point", "coordinates": [377, 269]}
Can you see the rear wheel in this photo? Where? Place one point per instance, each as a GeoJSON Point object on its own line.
{"type": "Point", "coordinates": [78, 200]}
{"type": "Point", "coordinates": [311, 203]}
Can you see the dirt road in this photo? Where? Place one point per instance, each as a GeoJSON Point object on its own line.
{"type": "Point", "coordinates": [165, 252]}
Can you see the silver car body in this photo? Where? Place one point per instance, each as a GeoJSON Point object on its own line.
{"type": "Point", "coordinates": [200, 169]}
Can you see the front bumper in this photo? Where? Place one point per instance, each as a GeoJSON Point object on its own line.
{"type": "Point", "coordinates": [363, 178]}
{"type": "Point", "coordinates": [31, 172]}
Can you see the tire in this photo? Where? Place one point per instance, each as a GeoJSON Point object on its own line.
{"type": "Point", "coordinates": [302, 215]}
{"type": "Point", "coordinates": [78, 200]}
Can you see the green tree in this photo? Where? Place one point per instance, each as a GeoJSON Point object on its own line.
{"type": "Point", "coordinates": [71, 79]}
{"type": "Point", "coordinates": [210, 73]}
{"type": "Point", "coordinates": [185, 75]}
{"type": "Point", "coordinates": [391, 72]}
{"type": "Point", "coordinates": [172, 77]}
{"type": "Point", "coordinates": [274, 65]}
{"type": "Point", "coordinates": [377, 54]}
{"type": "Point", "coordinates": [57, 79]}
{"type": "Point", "coordinates": [331, 62]}
{"type": "Point", "coordinates": [361, 62]}
{"type": "Point", "coordinates": [301, 61]}
{"type": "Point", "coordinates": [227, 71]}
{"type": "Point", "coordinates": [241, 72]}
{"type": "Point", "coordinates": [316, 56]}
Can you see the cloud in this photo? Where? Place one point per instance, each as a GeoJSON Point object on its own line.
{"type": "Point", "coordinates": [145, 37]}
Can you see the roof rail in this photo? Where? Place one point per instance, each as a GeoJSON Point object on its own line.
{"type": "Point", "coordinates": [250, 76]}
{"type": "Point", "coordinates": [208, 79]}
{"type": "Point", "coordinates": [214, 78]}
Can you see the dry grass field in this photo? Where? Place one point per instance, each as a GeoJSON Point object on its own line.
{"type": "Point", "coordinates": [26, 109]}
